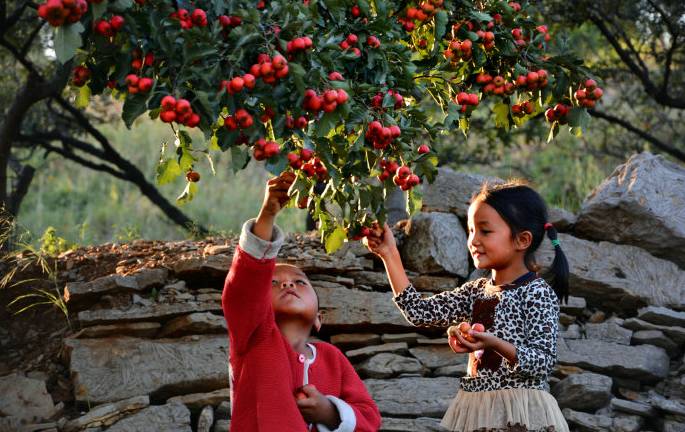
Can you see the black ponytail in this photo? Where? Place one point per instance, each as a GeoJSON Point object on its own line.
{"type": "Point", "coordinates": [523, 209]}
{"type": "Point", "coordinates": [558, 273]}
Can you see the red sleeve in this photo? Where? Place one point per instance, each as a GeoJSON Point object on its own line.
{"type": "Point", "coordinates": [356, 395]}
{"type": "Point", "coordinates": [246, 299]}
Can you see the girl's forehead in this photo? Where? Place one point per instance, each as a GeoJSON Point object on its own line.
{"type": "Point", "coordinates": [480, 211]}
{"type": "Point", "coordinates": [289, 270]}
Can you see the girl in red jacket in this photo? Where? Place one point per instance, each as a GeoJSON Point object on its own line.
{"type": "Point", "coordinates": [279, 381]}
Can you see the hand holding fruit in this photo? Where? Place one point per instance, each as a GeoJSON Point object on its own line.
{"type": "Point", "coordinates": [277, 193]}
{"type": "Point", "coordinates": [316, 408]}
{"type": "Point", "coordinates": [381, 241]}
{"type": "Point", "coordinates": [468, 338]}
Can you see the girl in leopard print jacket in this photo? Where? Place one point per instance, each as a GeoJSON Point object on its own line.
{"type": "Point", "coordinates": [510, 362]}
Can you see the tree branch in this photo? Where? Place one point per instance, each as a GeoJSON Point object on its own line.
{"type": "Point", "coordinates": [668, 149]}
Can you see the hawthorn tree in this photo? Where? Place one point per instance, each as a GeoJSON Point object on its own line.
{"type": "Point", "coordinates": [345, 92]}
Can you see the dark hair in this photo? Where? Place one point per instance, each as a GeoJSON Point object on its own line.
{"type": "Point", "coordinates": [523, 209]}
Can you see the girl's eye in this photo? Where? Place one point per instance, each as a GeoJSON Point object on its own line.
{"type": "Point", "coordinates": [274, 282]}
{"type": "Point", "coordinates": [485, 232]}
{"type": "Point", "coordinates": [300, 281]}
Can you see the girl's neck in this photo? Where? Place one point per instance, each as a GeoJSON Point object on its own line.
{"type": "Point", "coordinates": [297, 335]}
{"type": "Point", "coordinates": [509, 274]}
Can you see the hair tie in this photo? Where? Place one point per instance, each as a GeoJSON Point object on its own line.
{"type": "Point", "coordinates": [548, 226]}
{"type": "Point", "coordinates": [555, 242]}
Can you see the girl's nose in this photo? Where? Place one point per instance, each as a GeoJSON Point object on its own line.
{"type": "Point", "coordinates": [286, 285]}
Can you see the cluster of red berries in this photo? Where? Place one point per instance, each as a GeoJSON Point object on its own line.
{"type": "Point", "coordinates": [532, 80]}
{"type": "Point", "coordinates": [188, 20]}
{"type": "Point", "coordinates": [515, 5]}
{"type": "Point", "coordinates": [519, 39]}
{"type": "Point", "coordinates": [228, 22]}
{"type": "Point", "coordinates": [405, 179]}
{"type": "Point", "coordinates": [495, 85]}
{"type": "Point", "coordinates": [389, 169]}
{"type": "Point", "coordinates": [488, 39]}
{"type": "Point", "coordinates": [264, 149]}
{"type": "Point", "coordinates": [299, 44]}
{"type": "Point", "coordinates": [179, 111]}
{"type": "Point", "coordinates": [558, 113]}
{"type": "Point", "coordinates": [81, 75]}
{"type": "Point", "coordinates": [466, 99]}
{"type": "Point", "coordinates": [373, 41]}
{"type": "Point", "coordinates": [349, 43]}
{"type": "Point", "coordinates": [240, 120]}
{"type": "Point", "coordinates": [542, 29]}
{"type": "Point", "coordinates": [237, 84]}
{"type": "Point", "coordinates": [296, 123]}
{"type": "Point", "coordinates": [377, 100]}
{"type": "Point", "coordinates": [269, 69]}
{"type": "Point", "coordinates": [522, 109]}
{"type": "Point", "coordinates": [381, 136]}
{"type": "Point", "coordinates": [328, 101]}
{"type": "Point", "coordinates": [309, 164]}
{"type": "Point", "coordinates": [588, 94]}
{"type": "Point", "coordinates": [459, 50]}
{"type": "Point", "coordinates": [108, 29]}
{"type": "Point", "coordinates": [424, 12]}
{"type": "Point", "coordinates": [60, 12]}
{"type": "Point", "coordinates": [137, 84]}
{"type": "Point", "coordinates": [139, 61]}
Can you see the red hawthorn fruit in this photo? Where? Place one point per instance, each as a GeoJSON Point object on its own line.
{"type": "Point", "coordinates": [183, 106]}
{"type": "Point", "coordinates": [306, 154]}
{"type": "Point", "coordinates": [145, 84]}
{"type": "Point", "coordinates": [168, 103]}
{"type": "Point", "coordinates": [373, 42]}
{"type": "Point", "coordinates": [236, 85]}
{"type": "Point", "coordinates": [335, 76]}
{"type": "Point", "coordinates": [167, 116]}
{"type": "Point", "coordinates": [117, 22]}
{"type": "Point", "coordinates": [193, 176]}
{"type": "Point", "coordinates": [423, 149]}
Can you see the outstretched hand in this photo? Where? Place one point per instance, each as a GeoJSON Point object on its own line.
{"type": "Point", "coordinates": [276, 194]}
{"type": "Point", "coordinates": [479, 340]}
{"type": "Point", "coordinates": [381, 241]}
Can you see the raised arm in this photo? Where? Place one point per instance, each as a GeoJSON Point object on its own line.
{"type": "Point", "coordinates": [246, 298]}
{"type": "Point", "coordinates": [438, 310]}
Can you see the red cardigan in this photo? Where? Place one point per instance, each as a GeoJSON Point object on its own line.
{"type": "Point", "coordinates": [265, 370]}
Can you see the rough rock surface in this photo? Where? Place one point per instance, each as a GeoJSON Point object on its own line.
{"type": "Point", "coordinates": [436, 242]}
{"type": "Point", "coordinates": [642, 203]}
{"type": "Point", "coordinates": [106, 370]}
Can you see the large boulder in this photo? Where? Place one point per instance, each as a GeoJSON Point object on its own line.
{"type": "Point", "coordinates": [451, 191]}
{"type": "Point", "coordinates": [415, 397]}
{"type": "Point", "coordinates": [107, 370]}
{"type": "Point", "coordinates": [25, 399]}
{"type": "Point", "coordinates": [618, 277]}
{"type": "Point", "coordinates": [642, 203]}
{"type": "Point", "coordinates": [643, 362]}
{"type": "Point", "coordinates": [583, 392]}
{"type": "Point", "coordinates": [436, 243]}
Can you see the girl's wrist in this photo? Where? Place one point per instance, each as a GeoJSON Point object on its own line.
{"type": "Point", "coordinates": [391, 254]}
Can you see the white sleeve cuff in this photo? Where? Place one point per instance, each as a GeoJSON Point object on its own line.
{"type": "Point", "coordinates": [348, 420]}
{"type": "Point", "coordinates": [257, 247]}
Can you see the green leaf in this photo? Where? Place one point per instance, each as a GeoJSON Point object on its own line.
{"type": "Point", "coordinates": [327, 122]}
{"type": "Point", "coordinates": [167, 171]}
{"type": "Point", "coordinates": [480, 16]}
{"type": "Point", "coordinates": [501, 111]}
{"type": "Point", "coordinates": [83, 97]}
{"type": "Point", "coordinates": [335, 239]}
{"type": "Point", "coordinates": [185, 161]}
{"type": "Point", "coordinates": [188, 194]}
{"type": "Point", "coordinates": [134, 106]}
{"type": "Point", "coordinates": [98, 9]}
{"type": "Point", "coordinates": [414, 202]}
{"type": "Point", "coordinates": [121, 5]}
{"type": "Point", "coordinates": [67, 41]}
{"type": "Point", "coordinates": [239, 158]}
{"type": "Point", "coordinates": [440, 25]}
{"type": "Point", "coordinates": [578, 117]}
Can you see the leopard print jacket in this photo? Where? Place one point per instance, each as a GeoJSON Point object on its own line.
{"type": "Point", "coordinates": [526, 315]}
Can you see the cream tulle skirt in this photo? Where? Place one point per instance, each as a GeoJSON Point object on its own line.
{"type": "Point", "coordinates": [505, 410]}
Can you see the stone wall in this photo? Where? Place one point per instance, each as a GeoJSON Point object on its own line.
{"type": "Point", "coordinates": [150, 351]}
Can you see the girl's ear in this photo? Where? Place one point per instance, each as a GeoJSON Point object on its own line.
{"type": "Point", "coordinates": [523, 240]}
{"type": "Point", "coordinates": [318, 322]}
